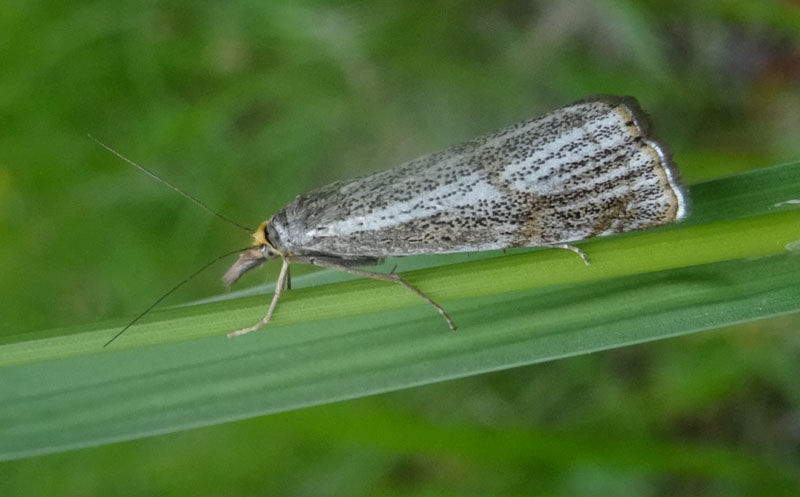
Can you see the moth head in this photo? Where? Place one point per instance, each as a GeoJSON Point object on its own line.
{"type": "Point", "coordinates": [263, 250]}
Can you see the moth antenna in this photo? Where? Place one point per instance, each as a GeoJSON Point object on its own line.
{"type": "Point", "coordinates": [162, 180]}
{"type": "Point", "coordinates": [158, 301]}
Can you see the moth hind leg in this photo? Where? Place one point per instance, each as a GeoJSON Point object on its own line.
{"type": "Point", "coordinates": [573, 248]}
{"type": "Point", "coordinates": [391, 277]}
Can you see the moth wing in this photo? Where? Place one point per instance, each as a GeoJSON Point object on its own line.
{"type": "Point", "coordinates": [585, 170]}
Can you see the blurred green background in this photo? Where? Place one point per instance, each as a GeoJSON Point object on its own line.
{"type": "Point", "coordinates": [244, 104]}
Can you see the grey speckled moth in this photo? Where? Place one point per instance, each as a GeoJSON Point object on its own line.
{"type": "Point", "coordinates": [589, 169]}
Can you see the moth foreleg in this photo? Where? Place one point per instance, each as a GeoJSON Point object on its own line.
{"type": "Point", "coordinates": [391, 277]}
{"type": "Point", "coordinates": [573, 248]}
{"type": "Point", "coordinates": [279, 286]}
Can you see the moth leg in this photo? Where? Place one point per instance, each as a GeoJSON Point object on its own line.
{"type": "Point", "coordinates": [279, 286]}
{"type": "Point", "coordinates": [288, 285]}
{"type": "Point", "coordinates": [567, 246]}
{"type": "Point", "coordinates": [391, 277]}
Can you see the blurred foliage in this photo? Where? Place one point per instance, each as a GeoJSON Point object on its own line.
{"type": "Point", "coordinates": [245, 104]}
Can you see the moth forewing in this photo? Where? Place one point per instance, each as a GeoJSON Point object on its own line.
{"type": "Point", "coordinates": [589, 169]}
{"type": "Point", "coordinates": [586, 170]}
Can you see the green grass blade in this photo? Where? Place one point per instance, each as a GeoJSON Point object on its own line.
{"type": "Point", "coordinates": [728, 263]}
{"type": "Point", "coordinates": [400, 430]}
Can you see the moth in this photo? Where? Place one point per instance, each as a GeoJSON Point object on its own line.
{"type": "Point", "coordinates": [589, 169]}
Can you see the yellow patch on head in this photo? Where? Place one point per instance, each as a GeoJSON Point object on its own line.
{"type": "Point", "coordinates": [260, 237]}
